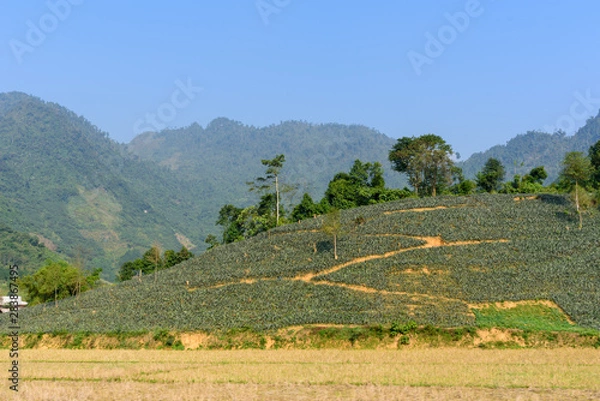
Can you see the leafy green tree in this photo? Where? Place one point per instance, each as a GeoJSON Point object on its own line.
{"type": "Point", "coordinates": [492, 175]}
{"type": "Point", "coordinates": [461, 185]}
{"type": "Point", "coordinates": [362, 185]}
{"type": "Point", "coordinates": [172, 258]}
{"type": "Point", "coordinates": [307, 208]}
{"type": "Point", "coordinates": [130, 269]}
{"type": "Point", "coordinates": [342, 192]}
{"type": "Point", "coordinates": [212, 241]}
{"type": "Point", "coordinates": [332, 225]}
{"type": "Point", "coordinates": [183, 255]}
{"type": "Point", "coordinates": [152, 261]}
{"type": "Point", "coordinates": [528, 184]}
{"type": "Point", "coordinates": [577, 169]}
{"type": "Point", "coordinates": [57, 280]}
{"type": "Point", "coordinates": [229, 217]}
{"type": "Point", "coordinates": [537, 175]}
{"type": "Point", "coordinates": [425, 160]}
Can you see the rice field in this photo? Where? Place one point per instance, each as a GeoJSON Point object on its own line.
{"type": "Point", "coordinates": [416, 374]}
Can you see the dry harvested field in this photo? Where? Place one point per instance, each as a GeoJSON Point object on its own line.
{"type": "Point", "coordinates": [418, 374]}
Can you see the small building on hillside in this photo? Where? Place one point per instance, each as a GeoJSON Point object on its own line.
{"type": "Point", "coordinates": [5, 305]}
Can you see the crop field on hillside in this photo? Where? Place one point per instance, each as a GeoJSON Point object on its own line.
{"type": "Point", "coordinates": [426, 260]}
{"type": "Point", "coordinates": [419, 374]}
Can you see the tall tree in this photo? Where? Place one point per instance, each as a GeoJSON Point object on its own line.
{"type": "Point", "coordinates": [576, 169]}
{"type": "Point", "coordinates": [270, 180]}
{"type": "Point", "coordinates": [492, 175]}
{"type": "Point", "coordinates": [426, 161]}
{"type": "Point", "coordinates": [406, 158]}
{"type": "Point", "coordinates": [154, 258]}
{"type": "Point", "coordinates": [332, 225]}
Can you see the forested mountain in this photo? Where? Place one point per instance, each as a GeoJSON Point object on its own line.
{"type": "Point", "coordinates": [24, 250]}
{"type": "Point", "coordinates": [226, 154]}
{"type": "Point", "coordinates": [526, 151]}
{"type": "Point", "coordinates": [63, 179]}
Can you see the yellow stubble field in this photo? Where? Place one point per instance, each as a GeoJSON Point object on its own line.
{"type": "Point", "coordinates": [415, 374]}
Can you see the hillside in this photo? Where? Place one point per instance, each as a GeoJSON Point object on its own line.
{"type": "Point", "coordinates": [532, 149]}
{"type": "Point", "coordinates": [428, 260]}
{"type": "Point", "coordinates": [64, 180]}
{"type": "Point", "coordinates": [21, 249]}
{"type": "Point", "coordinates": [226, 154]}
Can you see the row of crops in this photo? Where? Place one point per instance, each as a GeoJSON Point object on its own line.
{"type": "Point", "coordinates": [251, 284]}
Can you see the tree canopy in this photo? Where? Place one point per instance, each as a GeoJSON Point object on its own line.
{"type": "Point", "coordinates": [426, 161]}
{"type": "Point", "coordinates": [152, 261]}
{"type": "Point", "coordinates": [491, 176]}
{"type": "Point", "coordinates": [58, 280]}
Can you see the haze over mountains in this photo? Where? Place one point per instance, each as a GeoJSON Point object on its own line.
{"type": "Point", "coordinates": [64, 180]}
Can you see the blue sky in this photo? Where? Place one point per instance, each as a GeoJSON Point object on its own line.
{"type": "Point", "coordinates": [474, 72]}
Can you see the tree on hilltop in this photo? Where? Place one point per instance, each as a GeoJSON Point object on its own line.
{"type": "Point", "coordinates": [425, 160]}
{"type": "Point", "coordinates": [577, 169]}
{"type": "Point", "coordinates": [492, 175]}
{"type": "Point", "coordinates": [270, 181]}
{"type": "Point", "coordinates": [332, 225]}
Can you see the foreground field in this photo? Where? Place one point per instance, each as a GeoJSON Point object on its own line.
{"type": "Point", "coordinates": [432, 374]}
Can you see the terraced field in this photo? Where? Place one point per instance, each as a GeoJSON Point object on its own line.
{"type": "Point", "coordinates": [430, 260]}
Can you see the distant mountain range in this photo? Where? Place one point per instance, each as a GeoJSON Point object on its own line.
{"type": "Point", "coordinates": [66, 182]}
{"type": "Point", "coordinates": [526, 151]}
{"type": "Point", "coordinates": [76, 190]}
{"type": "Point", "coordinates": [226, 154]}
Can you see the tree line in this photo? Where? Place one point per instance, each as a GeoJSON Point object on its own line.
{"type": "Point", "coordinates": [429, 164]}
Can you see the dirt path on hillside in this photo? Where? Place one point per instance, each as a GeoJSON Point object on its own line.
{"type": "Point", "coordinates": [430, 242]}
{"type": "Point", "coordinates": [425, 209]}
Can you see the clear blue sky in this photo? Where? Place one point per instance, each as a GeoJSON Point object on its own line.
{"type": "Point", "coordinates": [513, 66]}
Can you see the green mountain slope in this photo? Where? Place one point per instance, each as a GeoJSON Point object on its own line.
{"type": "Point", "coordinates": [533, 149]}
{"type": "Point", "coordinates": [62, 178]}
{"type": "Point", "coordinates": [24, 250]}
{"type": "Point", "coordinates": [226, 154]}
{"type": "Point", "coordinates": [429, 260]}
